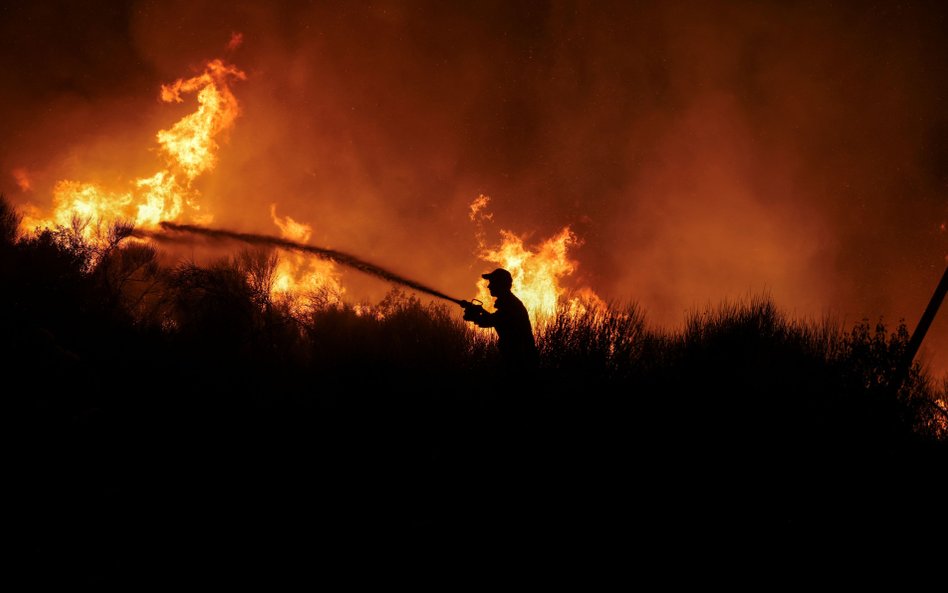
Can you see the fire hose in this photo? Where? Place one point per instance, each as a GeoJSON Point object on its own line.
{"type": "Point", "coordinates": [472, 308]}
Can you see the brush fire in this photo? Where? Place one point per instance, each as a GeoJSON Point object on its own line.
{"type": "Point", "coordinates": [691, 157]}
{"type": "Point", "coordinates": [191, 148]}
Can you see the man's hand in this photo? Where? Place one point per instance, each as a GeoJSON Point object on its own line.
{"type": "Point", "coordinates": [472, 311]}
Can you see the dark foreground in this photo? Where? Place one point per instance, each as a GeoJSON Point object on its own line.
{"type": "Point", "coordinates": [236, 486]}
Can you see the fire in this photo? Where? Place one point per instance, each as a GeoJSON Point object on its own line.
{"type": "Point", "coordinates": [479, 215]}
{"type": "Point", "coordinates": [152, 200]}
{"type": "Point", "coordinates": [536, 274]}
{"type": "Point", "coordinates": [190, 148]}
{"type": "Point", "coordinates": [300, 279]}
{"type": "Point", "coordinates": [190, 143]}
{"type": "Point", "coordinates": [162, 199]}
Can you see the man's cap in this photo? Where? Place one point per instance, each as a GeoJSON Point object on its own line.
{"type": "Point", "coordinates": [500, 275]}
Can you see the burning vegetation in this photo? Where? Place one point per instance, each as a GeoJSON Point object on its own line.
{"type": "Point", "coordinates": [190, 149]}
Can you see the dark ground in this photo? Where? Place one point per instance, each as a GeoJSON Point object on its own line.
{"type": "Point", "coordinates": [234, 487]}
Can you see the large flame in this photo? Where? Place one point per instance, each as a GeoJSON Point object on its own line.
{"type": "Point", "coordinates": [190, 148]}
{"type": "Point", "coordinates": [190, 143]}
{"type": "Point", "coordinates": [536, 273]}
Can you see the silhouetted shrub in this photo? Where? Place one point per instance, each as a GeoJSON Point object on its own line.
{"type": "Point", "coordinates": [401, 343]}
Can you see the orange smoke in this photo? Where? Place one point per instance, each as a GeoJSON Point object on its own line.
{"type": "Point", "coordinates": [236, 40]}
{"type": "Point", "coordinates": [22, 178]}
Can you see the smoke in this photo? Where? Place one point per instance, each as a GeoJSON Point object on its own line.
{"type": "Point", "coordinates": [700, 150]}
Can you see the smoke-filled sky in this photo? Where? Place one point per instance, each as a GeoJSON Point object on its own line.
{"type": "Point", "coordinates": [701, 151]}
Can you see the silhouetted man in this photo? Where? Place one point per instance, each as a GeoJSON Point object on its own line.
{"type": "Point", "coordinates": [518, 351]}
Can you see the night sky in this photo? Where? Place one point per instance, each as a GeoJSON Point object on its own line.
{"type": "Point", "coordinates": [701, 151]}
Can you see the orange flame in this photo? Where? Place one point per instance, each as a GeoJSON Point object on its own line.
{"type": "Point", "coordinates": [191, 148]}
{"type": "Point", "coordinates": [479, 216]}
{"type": "Point", "coordinates": [300, 278]}
{"type": "Point", "coordinates": [536, 274]}
{"type": "Point", "coordinates": [190, 142]}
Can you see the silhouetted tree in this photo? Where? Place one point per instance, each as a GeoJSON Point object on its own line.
{"type": "Point", "coordinates": [9, 222]}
